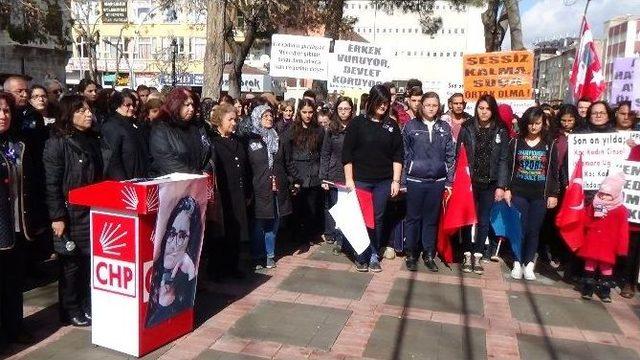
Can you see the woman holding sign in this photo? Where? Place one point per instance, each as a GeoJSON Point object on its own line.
{"type": "Point", "coordinates": [486, 141]}
{"type": "Point", "coordinates": [533, 185]}
{"type": "Point", "coordinates": [372, 155]}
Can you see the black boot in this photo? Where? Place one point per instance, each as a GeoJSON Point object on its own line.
{"type": "Point", "coordinates": [603, 289]}
{"type": "Point", "coordinates": [411, 262]}
{"type": "Point", "coordinates": [588, 286]}
{"type": "Point", "coordinates": [429, 262]}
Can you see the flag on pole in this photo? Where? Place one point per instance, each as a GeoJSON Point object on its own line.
{"type": "Point", "coordinates": [571, 216]}
{"type": "Point", "coordinates": [586, 74]}
{"type": "Point", "coordinates": [459, 210]}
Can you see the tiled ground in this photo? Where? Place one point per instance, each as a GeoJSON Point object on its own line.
{"type": "Point", "coordinates": [314, 305]}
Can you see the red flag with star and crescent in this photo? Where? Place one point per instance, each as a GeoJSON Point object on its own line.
{"type": "Point", "coordinates": [572, 214]}
{"type": "Point", "coordinates": [458, 210]}
{"type": "Point", "coordinates": [586, 75]}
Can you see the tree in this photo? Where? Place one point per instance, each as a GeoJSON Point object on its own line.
{"type": "Point", "coordinates": [18, 17]}
{"type": "Point", "coordinates": [214, 50]}
{"type": "Point", "coordinates": [85, 17]}
{"type": "Point", "coordinates": [494, 26]}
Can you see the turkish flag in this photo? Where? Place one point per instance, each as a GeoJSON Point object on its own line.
{"type": "Point", "coordinates": [457, 211]}
{"type": "Point", "coordinates": [586, 74]}
{"type": "Point", "coordinates": [571, 216]}
{"type": "Point", "coordinates": [365, 198]}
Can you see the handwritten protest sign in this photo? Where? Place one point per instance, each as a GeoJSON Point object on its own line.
{"type": "Point", "coordinates": [600, 152]}
{"type": "Point", "coordinates": [303, 57]}
{"type": "Point", "coordinates": [505, 75]}
{"type": "Point", "coordinates": [631, 192]}
{"type": "Point", "coordinates": [622, 82]}
{"type": "Point", "coordinates": [358, 65]}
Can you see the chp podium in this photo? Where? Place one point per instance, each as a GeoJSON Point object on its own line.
{"type": "Point", "coordinates": [124, 216]}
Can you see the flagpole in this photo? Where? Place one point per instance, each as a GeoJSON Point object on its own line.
{"type": "Point", "coordinates": [586, 7]}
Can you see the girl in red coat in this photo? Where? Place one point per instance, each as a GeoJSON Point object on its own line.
{"type": "Point", "coordinates": [606, 237]}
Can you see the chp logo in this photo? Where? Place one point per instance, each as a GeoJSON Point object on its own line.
{"type": "Point", "coordinates": [114, 253]}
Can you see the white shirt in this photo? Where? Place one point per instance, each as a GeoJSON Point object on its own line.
{"type": "Point", "coordinates": [430, 127]}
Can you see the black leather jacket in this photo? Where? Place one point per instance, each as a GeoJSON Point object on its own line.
{"type": "Point", "coordinates": [185, 149]}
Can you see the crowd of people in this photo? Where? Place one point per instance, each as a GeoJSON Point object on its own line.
{"type": "Point", "coordinates": [274, 165]}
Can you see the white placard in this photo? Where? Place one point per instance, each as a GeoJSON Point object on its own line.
{"type": "Point", "coordinates": [599, 152]}
{"type": "Point", "coordinates": [348, 217]}
{"type": "Point", "coordinates": [358, 65]}
{"type": "Point", "coordinates": [631, 192]}
{"type": "Point", "coordinates": [302, 57]}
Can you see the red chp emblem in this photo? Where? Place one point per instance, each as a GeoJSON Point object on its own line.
{"type": "Point", "coordinates": [114, 253]}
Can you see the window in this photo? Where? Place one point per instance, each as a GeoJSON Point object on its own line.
{"type": "Point", "coordinates": [109, 46]}
{"type": "Point", "coordinates": [143, 50]}
{"type": "Point", "coordinates": [142, 13]}
{"type": "Point", "coordinates": [81, 47]}
{"type": "Point", "coordinates": [198, 46]}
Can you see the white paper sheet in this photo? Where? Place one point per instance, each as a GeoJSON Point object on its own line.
{"type": "Point", "coordinates": [348, 217]}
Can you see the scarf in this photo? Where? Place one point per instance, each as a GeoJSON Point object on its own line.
{"type": "Point", "coordinates": [269, 136]}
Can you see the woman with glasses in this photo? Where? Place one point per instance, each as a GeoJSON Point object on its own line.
{"type": "Point", "coordinates": [372, 155]}
{"type": "Point", "coordinates": [429, 157]}
{"type": "Point", "coordinates": [126, 139]}
{"type": "Point", "coordinates": [72, 158]}
{"type": "Point", "coordinates": [331, 168]}
{"type": "Point", "coordinates": [599, 119]}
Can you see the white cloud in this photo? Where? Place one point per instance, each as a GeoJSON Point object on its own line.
{"type": "Point", "coordinates": [550, 19]}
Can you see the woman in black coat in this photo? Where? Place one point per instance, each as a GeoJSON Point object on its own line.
{"type": "Point", "coordinates": [178, 142]}
{"type": "Point", "coordinates": [233, 185]}
{"type": "Point", "coordinates": [126, 140]}
{"type": "Point", "coordinates": [72, 158]}
{"type": "Point", "coordinates": [331, 168]}
{"type": "Point", "coordinates": [304, 141]}
{"type": "Point", "coordinates": [270, 168]}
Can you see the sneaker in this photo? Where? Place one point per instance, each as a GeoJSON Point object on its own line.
{"type": "Point", "coordinates": [587, 287]}
{"type": "Point", "coordinates": [271, 263]}
{"type": "Point", "coordinates": [374, 266]}
{"type": "Point", "coordinates": [603, 290]}
{"type": "Point", "coordinates": [411, 263]}
{"type": "Point", "coordinates": [528, 271]}
{"type": "Point", "coordinates": [628, 291]}
{"type": "Point", "coordinates": [361, 267]}
{"type": "Point", "coordinates": [477, 268]}
{"type": "Point", "coordinates": [516, 272]}
{"type": "Point", "coordinates": [466, 263]}
{"type": "Point", "coordinates": [389, 253]}
{"type": "Point", "coordinates": [430, 263]}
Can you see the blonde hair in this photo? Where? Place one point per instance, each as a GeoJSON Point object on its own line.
{"type": "Point", "coordinates": [219, 111]}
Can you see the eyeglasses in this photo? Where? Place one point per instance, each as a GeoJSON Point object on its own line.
{"type": "Point", "coordinates": [599, 113]}
{"type": "Point", "coordinates": [344, 109]}
{"type": "Point", "coordinates": [178, 237]}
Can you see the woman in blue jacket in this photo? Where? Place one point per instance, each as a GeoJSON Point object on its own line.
{"type": "Point", "coordinates": [429, 158]}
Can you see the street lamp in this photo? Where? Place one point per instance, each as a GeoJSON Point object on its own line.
{"type": "Point", "coordinates": [174, 53]}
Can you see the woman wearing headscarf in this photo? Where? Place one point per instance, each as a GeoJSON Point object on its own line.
{"type": "Point", "coordinates": [270, 173]}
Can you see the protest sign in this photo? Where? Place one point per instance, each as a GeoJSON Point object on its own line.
{"type": "Point", "coordinates": [358, 65]}
{"type": "Point", "coordinates": [622, 82]}
{"type": "Point", "coordinates": [635, 93]}
{"type": "Point", "coordinates": [303, 57]}
{"type": "Point", "coordinates": [631, 192]}
{"type": "Point", "coordinates": [505, 75]}
{"type": "Point", "coordinates": [600, 152]}
{"type": "Point", "coordinates": [348, 217]}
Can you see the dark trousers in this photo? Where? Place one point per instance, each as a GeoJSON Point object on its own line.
{"type": "Point", "coordinates": [423, 211]}
{"type": "Point", "coordinates": [224, 251]}
{"type": "Point", "coordinates": [307, 211]}
{"type": "Point", "coordinates": [73, 286]}
{"type": "Point", "coordinates": [11, 283]}
{"type": "Point", "coordinates": [632, 260]}
{"type": "Point", "coordinates": [484, 198]}
{"type": "Point", "coordinates": [532, 211]}
{"type": "Point", "coordinates": [381, 191]}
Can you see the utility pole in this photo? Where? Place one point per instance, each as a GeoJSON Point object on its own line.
{"type": "Point", "coordinates": [174, 52]}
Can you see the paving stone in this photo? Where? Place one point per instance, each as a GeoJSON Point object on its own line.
{"type": "Point", "coordinates": [292, 324]}
{"type": "Point", "coordinates": [561, 311]}
{"type": "Point", "coordinates": [325, 253]}
{"type": "Point", "coordinates": [334, 283]}
{"type": "Point", "coordinates": [44, 296]}
{"type": "Point", "coordinates": [454, 269]}
{"type": "Point", "coordinates": [636, 310]}
{"type": "Point", "coordinates": [396, 338]}
{"type": "Point", "coordinates": [77, 345]}
{"type": "Point", "coordinates": [219, 355]}
{"type": "Point", "coordinates": [436, 297]}
{"type": "Point", "coordinates": [540, 348]}
{"type": "Point", "coordinates": [544, 276]}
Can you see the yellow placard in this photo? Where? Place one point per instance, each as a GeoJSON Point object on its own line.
{"type": "Point", "coordinates": [505, 75]}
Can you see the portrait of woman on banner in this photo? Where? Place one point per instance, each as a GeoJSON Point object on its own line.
{"type": "Point", "coordinates": [173, 282]}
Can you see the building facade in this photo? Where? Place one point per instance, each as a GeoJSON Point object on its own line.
{"type": "Point", "coordinates": [621, 39]}
{"type": "Point", "coordinates": [435, 59]}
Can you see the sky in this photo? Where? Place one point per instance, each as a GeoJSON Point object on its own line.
{"type": "Point", "coordinates": [553, 19]}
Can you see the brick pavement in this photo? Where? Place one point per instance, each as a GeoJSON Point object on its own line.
{"type": "Point", "coordinates": [391, 315]}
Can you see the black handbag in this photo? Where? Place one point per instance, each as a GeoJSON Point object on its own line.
{"type": "Point", "coordinates": [63, 245]}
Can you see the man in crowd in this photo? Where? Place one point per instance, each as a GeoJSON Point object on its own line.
{"type": "Point", "coordinates": [456, 114]}
{"type": "Point", "coordinates": [583, 105]}
{"type": "Point", "coordinates": [414, 95]}
{"type": "Point", "coordinates": [143, 93]}
{"type": "Point", "coordinates": [55, 90]}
